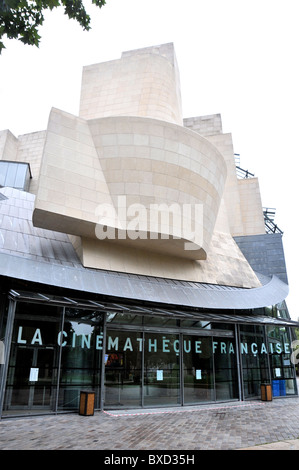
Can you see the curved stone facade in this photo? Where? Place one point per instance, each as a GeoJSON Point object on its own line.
{"type": "Point", "coordinates": [158, 184]}
{"type": "Point", "coordinates": [137, 188]}
{"type": "Point", "coordinates": [145, 84]}
{"type": "Point", "coordinates": [162, 166]}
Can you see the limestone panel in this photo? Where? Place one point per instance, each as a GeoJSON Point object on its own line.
{"type": "Point", "coordinates": [140, 83]}
{"type": "Point", "coordinates": [231, 196]}
{"type": "Point", "coordinates": [8, 146]}
{"type": "Point", "coordinates": [71, 182]}
{"type": "Point", "coordinates": [96, 176]}
{"type": "Point", "coordinates": [252, 210]}
{"type": "Point", "coordinates": [205, 125]}
{"type": "Point", "coordinates": [27, 148]}
{"type": "Point", "coordinates": [30, 150]}
{"type": "Point", "coordinates": [178, 168]}
{"type": "Point", "coordinates": [225, 264]}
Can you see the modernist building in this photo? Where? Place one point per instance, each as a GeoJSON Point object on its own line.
{"type": "Point", "coordinates": [134, 260]}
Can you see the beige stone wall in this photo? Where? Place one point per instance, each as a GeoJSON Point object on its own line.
{"type": "Point", "coordinates": [251, 206]}
{"type": "Point", "coordinates": [241, 211]}
{"type": "Point", "coordinates": [71, 181]}
{"type": "Point", "coordinates": [205, 125]}
{"type": "Point", "coordinates": [231, 196]}
{"type": "Point", "coordinates": [87, 164]}
{"type": "Point", "coordinates": [30, 150]}
{"type": "Point", "coordinates": [27, 148]}
{"type": "Point", "coordinates": [131, 141]}
{"type": "Point", "coordinates": [225, 264]}
{"type": "Point", "coordinates": [8, 146]}
{"type": "Point", "coordinates": [141, 83]}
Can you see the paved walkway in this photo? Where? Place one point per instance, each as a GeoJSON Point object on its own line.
{"type": "Point", "coordinates": [239, 425]}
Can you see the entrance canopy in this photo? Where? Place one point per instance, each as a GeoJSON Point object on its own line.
{"type": "Point", "coordinates": [111, 307]}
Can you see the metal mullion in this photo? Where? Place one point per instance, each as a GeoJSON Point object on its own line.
{"type": "Point", "coordinates": [294, 367]}
{"type": "Point", "coordinates": [142, 369]}
{"type": "Point", "coordinates": [103, 363]}
{"type": "Point", "coordinates": [239, 363]}
{"type": "Point", "coordinates": [266, 339]}
{"type": "Point", "coordinates": [181, 352]}
{"type": "Point", "coordinates": [213, 370]}
{"type": "Point", "coordinates": [7, 346]}
{"type": "Point", "coordinates": [59, 363]}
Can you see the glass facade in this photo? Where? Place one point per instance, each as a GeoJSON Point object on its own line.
{"type": "Point", "coordinates": [15, 175]}
{"type": "Point", "coordinates": [161, 368]}
{"type": "Point", "coordinates": [255, 366]}
{"type": "Point", "coordinates": [133, 361]}
{"type": "Point", "coordinates": [198, 367]}
{"type": "Point", "coordinates": [282, 369]}
{"type": "Point", "coordinates": [54, 352]}
{"type": "Point", "coordinates": [123, 369]}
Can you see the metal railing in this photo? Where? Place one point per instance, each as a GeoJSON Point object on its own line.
{"type": "Point", "coordinates": [270, 225]}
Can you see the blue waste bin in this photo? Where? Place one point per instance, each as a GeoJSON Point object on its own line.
{"type": "Point", "coordinates": [275, 388]}
{"type": "Point", "coordinates": [282, 388]}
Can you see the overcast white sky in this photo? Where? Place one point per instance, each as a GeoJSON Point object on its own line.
{"type": "Point", "coordinates": [238, 58]}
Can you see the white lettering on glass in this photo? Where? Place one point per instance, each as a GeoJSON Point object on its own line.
{"type": "Point", "coordinates": [176, 346]}
{"type": "Point", "coordinates": [152, 345]}
{"type": "Point", "coordinates": [20, 340]}
{"type": "Point", "coordinates": [128, 345]}
{"type": "Point", "coordinates": [165, 343]}
{"type": "Point", "coordinates": [85, 340]}
{"type": "Point", "coordinates": [113, 344]}
{"type": "Point", "coordinates": [155, 345]}
{"type": "Point", "coordinates": [99, 342]}
{"type": "Point", "coordinates": [59, 339]}
{"type": "Point", "coordinates": [37, 337]}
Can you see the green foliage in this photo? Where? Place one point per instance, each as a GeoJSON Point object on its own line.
{"type": "Point", "coordinates": [20, 19]}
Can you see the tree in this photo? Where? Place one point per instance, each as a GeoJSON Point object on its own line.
{"type": "Point", "coordinates": [20, 19]}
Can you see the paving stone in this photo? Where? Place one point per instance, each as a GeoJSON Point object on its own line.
{"type": "Point", "coordinates": [233, 426]}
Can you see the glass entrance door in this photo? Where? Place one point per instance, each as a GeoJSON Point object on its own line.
{"type": "Point", "coordinates": [123, 369]}
{"type": "Point", "coordinates": [30, 379]}
{"type": "Point", "coordinates": [198, 369]}
{"type": "Point", "coordinates": [255, 366]}
{"type": "Point", "coordinates": [153, 368]}
{"type": "Point", "coordinates": [55, 352]}
{"type": "Point", "coordinates": [161, 369]}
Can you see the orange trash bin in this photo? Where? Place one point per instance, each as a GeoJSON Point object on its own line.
{"type": "Point", "coordinates": [266, 392]}
{"type": "Point", "coordinates": [86, 407]}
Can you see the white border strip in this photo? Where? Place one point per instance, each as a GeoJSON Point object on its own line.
{"type": "Point", "coordinates": [181, 411]}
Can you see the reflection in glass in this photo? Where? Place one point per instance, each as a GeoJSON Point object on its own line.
{"type": "Point", "coordinates": [226, 379]}
{"type": "Point", "coordinates": [161, 369]}
{"type": "Point", "coordinates": [33, 362]}
{"type": "Point", "coordinates": [123, 360]}
{"type": "Point", "coordinates": [124, 318]}
{"type": "Point", "coordinates": [198, 369]}
{"type": "Point", "coordinates": [254, 359]}
{"type": "Point", "coordinates": [282, 370]}
{"type": "Point", "coordinates": [50, 360]}
{"type": "Point", "coordinates": [81, 353]}
{"type": "Point", "coordinates": [15, 175]}
{"type": "Point", "coordinates": [57, 351]}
